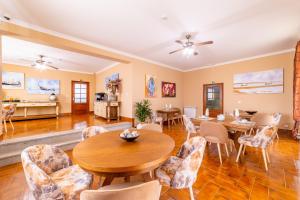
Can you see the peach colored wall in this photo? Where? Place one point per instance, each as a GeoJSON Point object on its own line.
{"type": "Point", "coordinates": [133, 84]}
{"type": "Point", "coordinates": [65, 78]}
{"type": "Point", "coordinates": [269, 103]}
{"type": "Point", "coordinates": [140, 69]}
{"type": "Point", "coordinates": [125, 74]}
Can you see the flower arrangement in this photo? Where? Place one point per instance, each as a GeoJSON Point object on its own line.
{"type": "Point", "coordinates": [113, 86]}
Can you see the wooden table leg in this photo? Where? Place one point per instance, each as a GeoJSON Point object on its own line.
{"type": "Point", "coordinates": [108, 180]}
{"type": "Point", "coordinates": [168, 120]}
{"type": "Point", "coordinates": [127, 179]}
{"type": "Point", "coordinates": [147, 177]}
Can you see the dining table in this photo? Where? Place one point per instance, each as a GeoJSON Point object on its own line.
{"type": "Point", "coordinates": [230, 123]}
{"type": "Point", "coordinates": [108, 155]}
{"type": "Point", "coordinates": [169, 113]}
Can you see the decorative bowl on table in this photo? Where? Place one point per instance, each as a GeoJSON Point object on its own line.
{"type": "Point", "coordinates": [129, 136]}
{"type": "Point", "coordinates": [250, 112]}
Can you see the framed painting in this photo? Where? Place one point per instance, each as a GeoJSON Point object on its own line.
{"type": "Point", "coordinates": [42, 86]}
{"type": "Point", "coordinates": [112, 77]}
{"type": "Point", "coordinates": [168, 89]}
{"type": "Point", "coordinates": [12, 80]}
{"type": "Point", "coordinates": [262, 82]}
{"type": "Point", "coordinates": [150, 86]}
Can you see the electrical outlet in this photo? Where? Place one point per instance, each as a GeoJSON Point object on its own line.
{"type": "Point", "coordinates": [286, 126]}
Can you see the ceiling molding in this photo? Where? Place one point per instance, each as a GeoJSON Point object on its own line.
{"type": "Point", "coordinates": [23, 65]}
{"type": "Point", "coordinates": [86, 42]}
{"type": "Point", "coordinates": [108, 67]}
{"type": "Point", "coordinates": [241, 60]}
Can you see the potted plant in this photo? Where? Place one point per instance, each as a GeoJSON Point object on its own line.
{"type": "Point", "coordinates": [143, 110]}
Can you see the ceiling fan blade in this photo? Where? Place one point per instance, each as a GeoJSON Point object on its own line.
{"type": "Point", "coordinates": [52, 66]}
{"type": "Point", "coordinates": [176, 51]}
{"type": "Point", "coordinates": [25, 60]}
{"type": "Point", "coordinates": [179, 41]}
{"type": "Point", "coordinates": [204, 43]}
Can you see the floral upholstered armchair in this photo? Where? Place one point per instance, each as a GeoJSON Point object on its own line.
{"type": "Point", "coordinates": [189, 127]}
{"type": "Point", "coordinates": [7, 113]}
{"type": "Point", "coordinates": [276, 118]}
{"type": "Point", "coordinates": [181, 171]}
{"type": "Point", "coordinates": [92, 131]}
{"type": "Point", "coordinates": [50, 174]}
{"type": "Point", "coordinates": [261, 140]}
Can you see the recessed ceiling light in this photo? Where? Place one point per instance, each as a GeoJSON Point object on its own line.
{"type": "Point", "coordinates": [164, 17]}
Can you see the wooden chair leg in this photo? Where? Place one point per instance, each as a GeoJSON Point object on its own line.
{"type": "Point", "coordinates": [265, 159]}
{"type": "Point", "coordinates": [267, 155]}
{"type": "Point", "coordinates": [232, 146]}
{"type": "Point", "coordinates": [5, 126]}
{"type": "Point", "coordinates": [277, 136]}
{"type": "Point", "coordinates": [239, 153]}
{"type": "Point", "coordinates": [173, 122]}
{"type": "Point", "coordinates": [219, 151]}
{"type": "Point", "coordinates": [244, 149]}
{"type": "Point", "coordinates": [226, 149]}
{"type": "Point", "coordinates": [191, 193]}
{"type": "Point", "coordinates": [11, 124]}
{"type": "Point", "coordinates": [188, 136]}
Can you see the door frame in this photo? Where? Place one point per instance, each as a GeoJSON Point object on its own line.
{"type": "Point", "coordinates": [222, 95]}
{"type": "Point", "coordinates": [73, 92]}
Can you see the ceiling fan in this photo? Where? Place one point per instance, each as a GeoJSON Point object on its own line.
{"type": "Point", "coordinates": [40, 63]}
{"type": "Point", "coordinates": [188, 46]}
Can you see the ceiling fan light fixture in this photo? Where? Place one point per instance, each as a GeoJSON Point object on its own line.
{"type": "Point", "coordinates": [188, 51]}
{"type": "Point", "coordinates": [40, 66]}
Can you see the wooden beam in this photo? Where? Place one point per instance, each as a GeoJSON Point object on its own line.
{"type": "Point", "coordinates": [31, 35]}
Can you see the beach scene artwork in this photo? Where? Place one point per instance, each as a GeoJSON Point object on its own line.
{"type": "Point", "coordinates": [262, 82]}
{"type": "Point", "coordinates": [42, 86]}
{"type": "Point", "coordinates": [12, 80]}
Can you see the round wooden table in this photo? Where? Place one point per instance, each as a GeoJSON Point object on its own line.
{"type": "Point", "coordinates": [110, 156]}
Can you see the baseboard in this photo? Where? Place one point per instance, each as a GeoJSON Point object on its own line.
{"type": "Point", "coordinates": [128, 119]}
{"type": "Point", "coordinates": [31, 117]}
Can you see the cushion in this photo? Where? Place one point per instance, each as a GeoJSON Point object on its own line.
{"type": "Point", "coordinates": [72, 180]}
{"type": "Point", "coordinates": [167, 171]}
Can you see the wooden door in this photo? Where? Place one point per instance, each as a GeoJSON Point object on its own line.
{"type": "Point", "coordinates": [296, 102]}
{"type": "Point", "coordinates": [213, 99]}
{"type": "Point", "coordinates": [80, 97]}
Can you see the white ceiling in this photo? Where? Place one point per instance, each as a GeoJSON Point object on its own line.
{"type": "Point", "coordinates": [21, 52]}
{"type": "Point", "coordinates": [239, 28]}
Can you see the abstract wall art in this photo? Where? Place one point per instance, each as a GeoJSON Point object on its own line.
{"type": "Point", "coordinates": [150, 86]}
{"type": "Point", "coordinates": [168, 89]}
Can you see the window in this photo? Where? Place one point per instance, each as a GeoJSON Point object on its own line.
{"type": "Point", "coordinates": [80, 93]}
{"type": "Point", "coordinates": [213, 97]}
